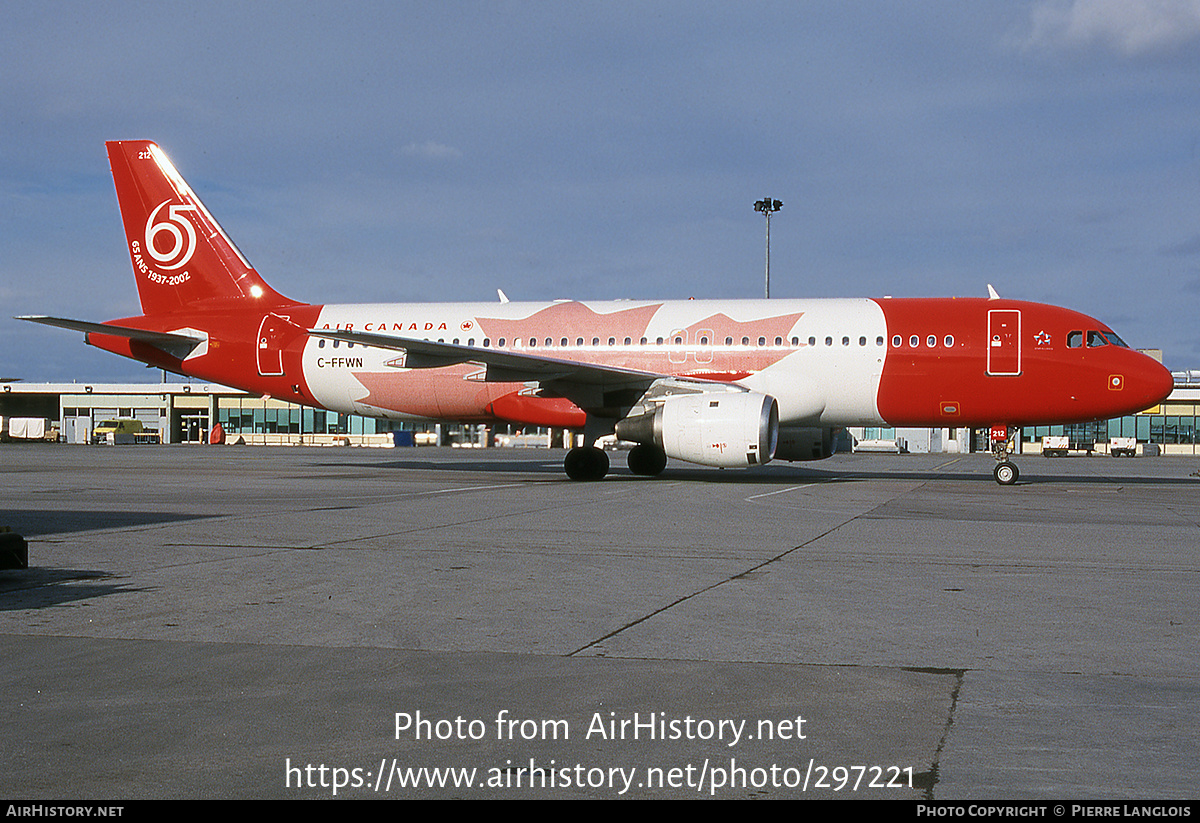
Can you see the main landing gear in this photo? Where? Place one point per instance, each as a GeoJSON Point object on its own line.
{"type": "Point", "coordinates": [647, 460]}
{"type": "Point", "coordinates": [1006, 472]}
{"type": "Point", "coordinates": [586, 463]}
{"type": "Point", "coordinates": [591, 463]}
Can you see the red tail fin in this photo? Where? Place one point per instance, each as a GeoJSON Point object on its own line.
{"type": "Point", "coordinates": [181, 257]}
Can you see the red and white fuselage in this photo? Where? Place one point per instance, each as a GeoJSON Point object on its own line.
{"type": "Point", "coordinates": [839, 362]}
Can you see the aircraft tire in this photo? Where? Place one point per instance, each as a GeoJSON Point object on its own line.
{"type": "Point", "coordinates": [586, 463]}
{"type": "Point", "coordinates": [647, 461]}
{"type": "Point", "coordinates": [1006, 473]}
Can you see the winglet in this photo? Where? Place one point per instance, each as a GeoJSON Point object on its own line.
{"type": "Point", "coordinates": [503, 296]}
{"type": "Point", "coordinates": [992, 295]}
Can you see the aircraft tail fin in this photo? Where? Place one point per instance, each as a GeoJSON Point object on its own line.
{"type": "Point", "coordinates": [181, 256]}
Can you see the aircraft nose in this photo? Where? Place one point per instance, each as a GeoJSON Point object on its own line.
{"type": "Point", "coordinates": [1154, 382]}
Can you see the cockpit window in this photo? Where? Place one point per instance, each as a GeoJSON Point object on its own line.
{"type": "Point", "coordinates": [1116, 341]}
{"type": "Point", "coordinates": [1096, 339]}
{"type": "Point", "coordinates": [1074, 339]}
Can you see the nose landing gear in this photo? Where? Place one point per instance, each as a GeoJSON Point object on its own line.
{"type": "Point", "coordinates": [1005, 472]}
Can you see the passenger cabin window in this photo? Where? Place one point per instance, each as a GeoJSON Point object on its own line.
{"type": "Point", "coordinates": [862, 341]}
{"type": "Point", "coordinates": [896, 341]}
{"type": "Point", "coordinates": [914, 341]}
{"type": "Point", "coordinates": [949, 341]}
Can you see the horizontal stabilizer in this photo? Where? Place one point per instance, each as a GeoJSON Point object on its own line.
{"type": "Point", "coordinates": [175, 344]}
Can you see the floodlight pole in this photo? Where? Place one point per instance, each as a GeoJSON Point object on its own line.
{"type": "Point", "coordinates": [768, 207]}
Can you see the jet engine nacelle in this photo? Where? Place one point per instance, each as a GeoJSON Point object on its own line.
{"type": "Point", "coordinates": [726, 429]}
{"type": "Point", "coordinates": [804, 443]}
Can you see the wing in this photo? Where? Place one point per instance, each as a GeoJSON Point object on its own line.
{"type": "Point", "coordinates": [590, 386]}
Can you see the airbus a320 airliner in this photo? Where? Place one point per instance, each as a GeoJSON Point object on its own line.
{"type": "Point", "coordinates": [714, 382]}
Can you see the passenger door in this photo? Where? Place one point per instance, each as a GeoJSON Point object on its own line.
{"type": "Point", "coordinates": [1004, 342]}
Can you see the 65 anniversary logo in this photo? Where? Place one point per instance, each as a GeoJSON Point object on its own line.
{"type": "Point", "coordinates": [175, 252]}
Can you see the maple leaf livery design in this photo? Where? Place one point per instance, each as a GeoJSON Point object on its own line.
{"type": "Point", "coordinates": [719, 383]}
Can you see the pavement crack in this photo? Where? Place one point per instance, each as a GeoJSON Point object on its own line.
{"type": "Point", "coordinates": [742, 574]}
{"type": "Point", "coordinates": [926, 781]}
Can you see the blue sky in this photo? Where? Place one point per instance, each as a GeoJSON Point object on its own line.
{"type": "Point", "coordinates": [399, 151]}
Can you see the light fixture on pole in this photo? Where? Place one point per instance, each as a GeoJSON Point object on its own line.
{"type": "Point", "coordinates": [768, 206]}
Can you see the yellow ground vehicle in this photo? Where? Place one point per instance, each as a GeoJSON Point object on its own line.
{"type": "Point", "coordinates": [122, 431]}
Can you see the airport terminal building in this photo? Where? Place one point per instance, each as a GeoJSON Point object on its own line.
{"type": "Point", "coordinates": [187, 412]}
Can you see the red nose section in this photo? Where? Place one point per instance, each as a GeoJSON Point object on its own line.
{"type": "Point", "coordinates": [1135, 382]}
{"type": "Point", "coordinates": [1154, 382]}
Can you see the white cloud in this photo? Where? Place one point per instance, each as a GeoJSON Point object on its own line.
{"type": "Point", "coordinates": [430, 150]}
{"type": "Point", "coordinates": [1131, 27]}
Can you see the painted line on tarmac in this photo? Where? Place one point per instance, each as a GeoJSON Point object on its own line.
{"type": "Point", "coordinates": [783, 491]}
